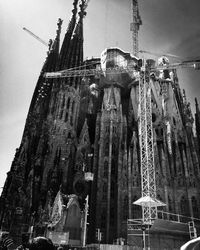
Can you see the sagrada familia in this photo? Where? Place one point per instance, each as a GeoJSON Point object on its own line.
{"type": "Point", "coordinates": [81, 145]}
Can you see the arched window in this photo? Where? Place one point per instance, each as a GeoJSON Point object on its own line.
{"type": "Point", "coordinates": [125, 208]}
{"type": "Point", "coordinates": [113, 167]}
{"type": "Point", "coordinates": [112, 214]}
{"type": "Point", "coordinates": [107, 148]}
{"type": "Point", "coordinates": [170, 204]}
{"type": "Point", "coordinates": [73, 105]}
{"type": "Point", "coordinates": [113, 149]}
{"type": "Point", "coordinates": [183, 206]}
{"type": "Point", "coordinates": [174, 121]}
{"type": "Point", "coordinates": [61, 113]}
{"type": "Point", "coordinates": [114, 130]}
{"type": "Point", "coordinates": [105, 169]}
{"type": "Point", "coordinates": [136, 210]}
{"type": "Point", "coordinates": [195, 207]}
{"type": "Point", "coordinates": [49, 177]}
{"type": "Point", "coordinates": [68, 103]}
{"type": "Point", "coordinates": [71, 119]}
{"type": "Point", "coordinates": [66, 116]}
{"type": "Point", "coordinates": [104, 187]}
{"type": "Point", "coordinates": [103, 218]}
{"type": "Point", "coordinates": [112, 190]}
{"type": "Point", "coordinates": [104, 191]}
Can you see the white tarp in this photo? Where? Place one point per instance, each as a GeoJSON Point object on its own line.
{"type": "Point", "coordinates": [147, 201]}
{"type": "Point", "coordinates": [57, 209]}
{"type": "Point", "coordinates": [59, 237]}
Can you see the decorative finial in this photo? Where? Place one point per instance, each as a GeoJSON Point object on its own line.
{"type": "Point", "coordinates": [59, 24]}
{"type": "Point", "coordinates": [74, 11]}
{"type": "Point", "coordinates": [50, 44]}
{"type": "Point", "coordinates": [83, 6]}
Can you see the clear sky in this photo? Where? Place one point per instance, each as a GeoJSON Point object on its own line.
{"type": "Point", "coordinates": [169, 26]}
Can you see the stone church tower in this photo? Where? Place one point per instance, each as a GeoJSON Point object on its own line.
{"type": "Point", "coordinates": [80, 125]}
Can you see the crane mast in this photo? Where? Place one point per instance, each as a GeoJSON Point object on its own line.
{"type": "Point", "coordinates": [148, 184]}
{"type": "Point", "coordinates": [135, 25]}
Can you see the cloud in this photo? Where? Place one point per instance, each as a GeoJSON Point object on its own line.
{"type": "Point", "coordinates": [188, 46]}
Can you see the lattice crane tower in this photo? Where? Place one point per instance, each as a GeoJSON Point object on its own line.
{"type": "Point", "coordinates": [135, 25]}
{"type": "Point", "coordinates": [148, 184]}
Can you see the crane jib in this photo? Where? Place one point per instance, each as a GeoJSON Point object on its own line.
{"type": "Point", "coordinates": [88, 72]}
{"type": "Point", "coordinates": [118, 70]}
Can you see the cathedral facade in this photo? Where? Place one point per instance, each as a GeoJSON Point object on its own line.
{"type": "Point", "coordinates": [88, 126]}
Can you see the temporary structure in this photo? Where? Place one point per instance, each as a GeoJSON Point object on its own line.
{"type": "Point", "coordinates": [193, 244]}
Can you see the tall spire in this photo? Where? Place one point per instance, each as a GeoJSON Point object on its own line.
{"type": "Point", "coordinates": [53, 55]}
{"type": "Point", "coordinates": [187, 117]}
{"type": "Point", "coordinates": [50, 65]}
{"type": "Point", "coordinates": [197, 106]}
{"type": "Point", "coordinates": [197, 122]}
{"type": "Point", "coordinates": [76, 47]}
{"type": "Point", "coordinates": [65, 50]}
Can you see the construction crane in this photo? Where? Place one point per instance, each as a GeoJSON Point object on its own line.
{"type": "Point", "coordinates": [148, 200]}
{"type": "Point", "coordinates": [38, 38]}
{"type": "Point", "coordinates": [135, 25]}
{"type": "Point", "coordinates": [159, 54]}
{"type": "Point", "coordinates": [96, 72]}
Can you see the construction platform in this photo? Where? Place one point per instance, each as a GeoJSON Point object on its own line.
{"type": "Point", "coordinates": [169, 231]}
